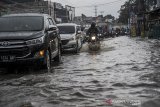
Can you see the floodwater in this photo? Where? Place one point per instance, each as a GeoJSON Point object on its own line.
{"type": "Point", "coordinates": [124, 73]}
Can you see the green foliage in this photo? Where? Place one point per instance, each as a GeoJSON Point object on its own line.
{"type": "Point", "coordinates": [124, 13]}
{"type": "Point", "coordinates": [109, 16]}
{"type": "Point", "coordinates": [135, 6]}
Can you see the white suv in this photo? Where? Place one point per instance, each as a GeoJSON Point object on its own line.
{"type": "Point", "coordinates": [70, 34]}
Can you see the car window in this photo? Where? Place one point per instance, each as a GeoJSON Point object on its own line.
{"type": "Point", "coordinates": [54, 22]}
{"type": "Point", "coordinates": [47, 23]}
{"type": "Point", "coordinates": [22, 23]}
{"type": "Point", "coordinates": [66, 29]}
{"type": "Point", "coordinates": [50, 21]}
{"type": "Point", "coordinates": [78, 28]}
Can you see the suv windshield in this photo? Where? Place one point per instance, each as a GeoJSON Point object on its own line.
{"type": "Point", "coordinates": [21, 23]}
{"type": "Point", "coordinates": [66, 29]}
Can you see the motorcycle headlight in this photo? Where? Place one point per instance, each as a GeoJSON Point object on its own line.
{"type": "Point", "coordinates": [93, 38]}
{"type": "Point", "coordinates": [35, 41]}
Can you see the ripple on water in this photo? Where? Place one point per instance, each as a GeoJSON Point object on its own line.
{"type": "Point", "coordinates": [151, 103]}
{"type": "Point", "coordinates": [155, 77]}
{"type": "Point", "coordinates": [80, 94]}
{"type": "Point", "coordinates": [119, 85]}
{"type": "Point", "coordinates": [71, 99]}
{"type": "Point", "coordinates": [97, 89]}
{"type": "Point", "coordinates": [148, 85]}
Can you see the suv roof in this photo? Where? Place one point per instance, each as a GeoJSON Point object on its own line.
{"type": "Point", "coordinates": [25, 14]}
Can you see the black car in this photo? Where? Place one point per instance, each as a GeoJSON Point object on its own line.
{"type": "Point", "coordinates": [29, 39]}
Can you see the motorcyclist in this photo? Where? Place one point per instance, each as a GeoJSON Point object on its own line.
{"type": "Point", "coordinates": [93, 29]}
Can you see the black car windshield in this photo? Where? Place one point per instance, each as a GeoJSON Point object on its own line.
{"type": "Point", "coordinates": [66, 29]}
{"type": "Point", "coordinates": [21, 23]}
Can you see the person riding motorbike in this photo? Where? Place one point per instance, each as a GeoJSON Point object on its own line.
{"type": "Point", "coordinates": [93, 30]}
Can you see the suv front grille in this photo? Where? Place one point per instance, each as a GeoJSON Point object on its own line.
{"type": "Point", "coordinates": [16, 48]}
{"type": "Point", "coordinates": [11, 43]}
{"type": "Point", "coordinates": [18, 52]}
{"type": "Point", "coordinates": [64, 42]}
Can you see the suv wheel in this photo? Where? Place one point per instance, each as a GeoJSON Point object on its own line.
{"type": "Point", "coordinates": [48, 61]}
{"type": "Point", "coordinates": [58, 58]}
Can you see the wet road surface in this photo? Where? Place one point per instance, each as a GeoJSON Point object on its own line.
{"type": "Point", "coordinates": [124, 73]}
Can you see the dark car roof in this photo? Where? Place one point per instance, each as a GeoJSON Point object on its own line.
{"type": "Point", "coordinates": [25, 14]}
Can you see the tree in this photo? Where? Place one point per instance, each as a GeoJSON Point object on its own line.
{"type": "Point", "coordinates": [150, 4]}
{"type": "Point", "coordinates": [135, 6]}
{"type": "Point", "coordinates": [124, 13]}
{"type": "Point", "coordinates": [109, 16]}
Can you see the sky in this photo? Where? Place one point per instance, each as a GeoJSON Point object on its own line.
{"type": "Point", "coordinates": [111, 8]}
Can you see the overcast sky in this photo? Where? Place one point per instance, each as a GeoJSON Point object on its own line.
{"type": "Point", "coordinates": [111, 8]}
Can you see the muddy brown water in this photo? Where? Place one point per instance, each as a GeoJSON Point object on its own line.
{"type": "Point", "coordinates": [124, 73]}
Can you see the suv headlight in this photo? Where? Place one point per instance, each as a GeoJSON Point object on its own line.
{"type": "Point", "coordinates": [35, 41]}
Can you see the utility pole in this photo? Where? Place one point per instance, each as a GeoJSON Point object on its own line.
{"type": "Point", "coordinates": [50, 7]}
{"type": "Point", "coordinates": [129, 20]}
{"type": "Point", "coordinates": [95, 8]}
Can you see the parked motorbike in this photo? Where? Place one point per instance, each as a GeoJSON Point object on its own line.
{"type": "Point", "coordinates": [94, 42]}
{"type": "Point", "coordinates": [116, 34]}
{"type": "Point", "coordinates": [101, 36]}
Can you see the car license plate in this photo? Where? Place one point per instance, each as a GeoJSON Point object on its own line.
{"type": "Point", "coordinates": [7, 58]}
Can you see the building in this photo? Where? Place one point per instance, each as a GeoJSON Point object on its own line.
{"type": "Point", "coordinates": [70, 12]}
{"type": "Point", "coordinates": [158, 3]}
{"type": "Point", "coordinates": [153, 23]}
{"type": "Point", "coordinates": [2, 8]}
{"type": "Point", "coordinates": [64, 14]}
{"type": "Point", "coordinates": [56, 10]}
{"type": "Point", "coordinates": [30, 6]}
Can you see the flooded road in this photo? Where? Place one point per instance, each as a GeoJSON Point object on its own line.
{"type": "Point", "coordinates": [124, 73]}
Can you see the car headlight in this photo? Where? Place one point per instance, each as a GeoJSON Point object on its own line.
{"type": "Point", "coordinates": [35, 41]}
{"type": "Point", "coordinates": [40, 54]}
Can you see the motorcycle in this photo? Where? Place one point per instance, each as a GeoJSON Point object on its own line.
{"type": "Point", "coordinates": [94, 42]}
{"type": "Point", "coordinates": [101, 36]}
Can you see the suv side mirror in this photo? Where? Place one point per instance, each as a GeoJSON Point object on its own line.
{"type": "Point", "coordinates": [52, 27]}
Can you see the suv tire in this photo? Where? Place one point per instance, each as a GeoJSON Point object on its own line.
{"type": "Point", "coordinates": [47, 62]}
{"type": "Point", "coordinates": [58, 58]}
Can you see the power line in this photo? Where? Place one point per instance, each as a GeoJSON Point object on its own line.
{"type": "Point", "coordinates": [100, 4]}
